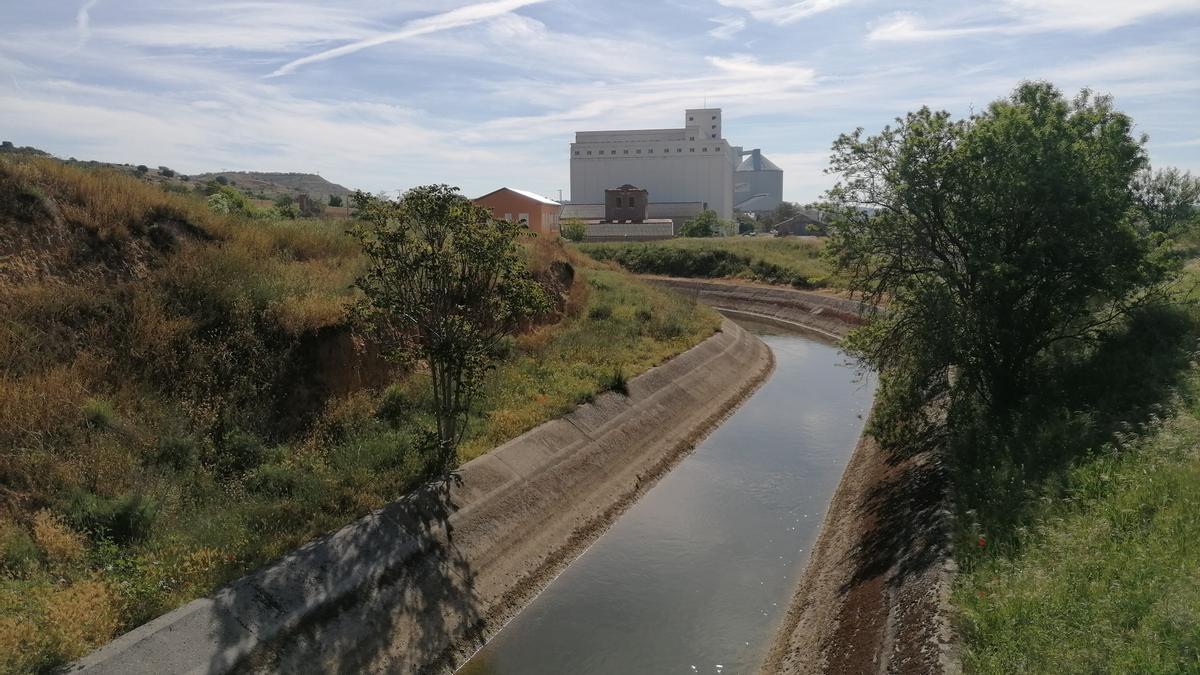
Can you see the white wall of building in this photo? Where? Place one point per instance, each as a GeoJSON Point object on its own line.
{"type": "Point", "coordinates": [692, 164]}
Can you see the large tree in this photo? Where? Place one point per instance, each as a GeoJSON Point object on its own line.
{"type": "Point", "coordinates": [445, 282]}
{"type": "Point", "coordinates": [991, 239]}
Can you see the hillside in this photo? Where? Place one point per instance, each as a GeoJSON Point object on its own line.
{"type": "Point", "coordinates": [183, 397]}
{"type": "Point", "coordinates": [272, 185]}
{"type": "Point", "coordinates": [256, 184]}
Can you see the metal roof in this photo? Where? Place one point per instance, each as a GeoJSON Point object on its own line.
{"type": "Point", "coordinates": [525, 193]}
{"type": "Point", "coordinates": [755, 161]}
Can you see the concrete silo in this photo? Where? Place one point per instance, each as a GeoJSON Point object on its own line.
{"type": "Point", "coordinates": [758, 184]}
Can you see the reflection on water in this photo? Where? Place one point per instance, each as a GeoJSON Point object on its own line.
{"type": "Point", "coordinates": [695, 577]}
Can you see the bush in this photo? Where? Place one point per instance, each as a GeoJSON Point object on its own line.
{"type": "Point", "coordinates": [600, 312]}
{"type": "Point", "coordinates": [123, 520]}
{"type": "Point", "coordinates": [98, 414]}
{"type": "Point", "coordinates": [237, 452]}
{"type": "Point", "coordinates": [615, 381]}
{"type": "Point", "coordinates": [177, 453]}
{"type": "Point", "coordinates": [394, 405]}
{"type": "Point", "coordinates": [573, 230]}
{"type": "Point", "coordinates": [18, 552]}
{"type": "Point", "coordinates": [165, 172]}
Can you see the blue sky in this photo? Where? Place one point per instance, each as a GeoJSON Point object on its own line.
{"type": "Point", "coordinates": [386, 95]}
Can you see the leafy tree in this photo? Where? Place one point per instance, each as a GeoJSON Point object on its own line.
{"type": "Point", "coordinates": [707, 224]}
{"type": "Point", "coordinates": [141, 169]}
{"type": "Point", "coordinates": [445, 282]}
{"type": "Point", "coordinates": [746, 223]}
{"type": "Point", "coordinates": [228, 201]}
{"type": "Point", "coordinates": [991, 240]}
{"type": "Point", "coordinates": [166, 172]}
{"type": "Point", "coordinates": [335, 200]}
{"type": "Point", "coordinates": [573, 229]}
{"type": "Point", "coordinates": [1167, 199]}
{"type": "Point", "coordinates": [222, 180]}
{"type": "Point", "coordinates": [284, 201]}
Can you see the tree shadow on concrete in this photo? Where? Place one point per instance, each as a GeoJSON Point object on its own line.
{"type": "Point", "coordinates": [390, 592]}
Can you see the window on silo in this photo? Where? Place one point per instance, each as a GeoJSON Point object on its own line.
{"type": "Point", "coordinates": [627, 152]}
{"type": "Point", "coordinates": [691, 119]}
{"type": "Point", "coordinates": [639, 151]}
{"type": "Point", "coordinates": [714, 117]}
{"type": "Point", "coordinates": [618, 202]}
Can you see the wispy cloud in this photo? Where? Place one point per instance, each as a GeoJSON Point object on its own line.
{"type": "Point", "coordinates": [782, 11]}
{"type": "Point", "coordinates": [455, 18]}
{"type": "Point", "coordinates": [727, 26]}
{"type": "Point", "coordinates": [83, 24]}
{"type": "Point", "coordinates": [1013, 17]}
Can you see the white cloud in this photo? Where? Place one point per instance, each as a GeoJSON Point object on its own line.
{"type": "Point", "coordinates": [727, 26]}
{"type": "Point", "coordinates": [455, 18]}
{"type": "Point", "coordinates": [783, 12]}
{"type": "Point", "coordinates": [83, 22]}
{"type": "Point", "coordinates": [1012, 17]}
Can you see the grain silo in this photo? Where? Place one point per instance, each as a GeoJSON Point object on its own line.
{"type": "Point", "coordinates": [758, 184]}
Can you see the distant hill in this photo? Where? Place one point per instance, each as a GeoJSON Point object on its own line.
{"type": "Point", "coordinates": [256, 184]}
{"type": "Point", "coordinates": [271, 185]}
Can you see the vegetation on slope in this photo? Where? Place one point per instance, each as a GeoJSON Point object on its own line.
{"type": "Point", "coordinates": [1037, 339]}
{"type": "Point", "coordinates": [183, 398]}
{"type": "Point", "coordinates": [786, 261]}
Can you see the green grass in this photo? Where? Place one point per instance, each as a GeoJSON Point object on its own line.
{"type": "Point", "coordinates": [790, 261]}
{"type": "Point", "coordinates": [1079, 533]}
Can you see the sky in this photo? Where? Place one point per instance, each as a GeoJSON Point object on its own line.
{"type": "Point", "coordinates": [383, 96]}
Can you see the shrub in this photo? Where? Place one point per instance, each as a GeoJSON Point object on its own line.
{"type": "Point", "coordinates": [278, 480]}
{"type": "Point", "coordinates": [600, 312]}
{"type": "Point", "coordinates": [237, 452]}
{"type": "Point", "coordinates": [81, 617]}
{"type": "Point", "coordinates": [177, 453]}
{"type": "Point", "coordinates": [573, 229]}
{"type": "Point", "coordinates": [98, 414]}
{"type": "Point", "coordinates": [124, 520]}
{"type": "Point", "coordinates": [61, 545]}
{"type": "Point", "coordinates": [18, 552]}
{"type": "Point", "coordinates": [165, 172]}
{"type": "Point", "coordinates": [394, 405]}
{"type": "Point", "coordinates": [615, 381]}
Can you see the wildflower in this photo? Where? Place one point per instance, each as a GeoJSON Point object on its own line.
{"type": "Point", "coordinates": [982, 542]}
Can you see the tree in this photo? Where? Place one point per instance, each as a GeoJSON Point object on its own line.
{"type": "Point", "coordinates": [707, 224]}
{"type": "Point", "coordinates": [166, 172]}
{"type": "Point", "coordinates": [335, 200]}
{"type": "Point", "coordinates": [573, 229]}
{"type": "Point", "coordinates": [1167, 199]}
{"type": "Point", "coordinates": [746, 223]}
{"type": "Point", "coordinates": [991, 239]}
{"type": "Point", "coordinates": [445, 281]}
{"type": "Point", "coordinates": [141, 169]}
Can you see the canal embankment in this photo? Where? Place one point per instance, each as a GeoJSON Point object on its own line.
{"type": "Point", "coordinates": [420, 584]}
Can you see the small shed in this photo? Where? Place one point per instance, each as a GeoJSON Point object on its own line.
{"type": "Point", "coordinates": [540, 213]}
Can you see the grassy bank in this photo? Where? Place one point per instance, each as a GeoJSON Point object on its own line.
{"type": "Point", "coordinates": [790, 261]}
{"type": "Point", "coordinates": [1079, 541]}
{"type": "Point", "coordinates": [182, 398]}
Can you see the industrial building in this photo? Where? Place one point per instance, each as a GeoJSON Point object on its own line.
{"type": "Point", "coordinates": [757, 184]}
{"type": "Point", "coordinates": [693, 166]}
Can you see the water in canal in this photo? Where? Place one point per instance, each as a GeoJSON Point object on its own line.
{"type": "Point", "coordinates": [696, 576]}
